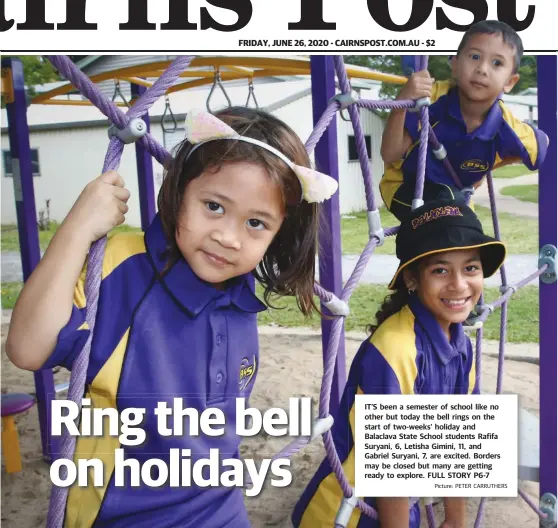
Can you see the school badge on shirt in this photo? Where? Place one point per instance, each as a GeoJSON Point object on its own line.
{"type": "Point", "coordinates": [247, 371]}
{"type": "Point", "coordinates": [474, 165]}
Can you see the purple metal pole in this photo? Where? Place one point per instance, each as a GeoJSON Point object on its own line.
{"type": "Point", "coordinates": [144, 164]}
{"type": "Point", "coordinates": [27, 227]}
{"type": "Point", "coordinates": [547, 95]}
{"type": "Point", "coordinates": [331, 278]}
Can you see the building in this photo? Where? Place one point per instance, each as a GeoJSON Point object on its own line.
{"type": "Point", "coordinates": [69, 142]}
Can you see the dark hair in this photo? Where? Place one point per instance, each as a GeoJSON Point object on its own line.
{"type": "Point", "coordinates": [288, 266]}
{"type": "Point", "coordinates": [493, 27]}
{"type": "Point", "coordinates": [393, 302]}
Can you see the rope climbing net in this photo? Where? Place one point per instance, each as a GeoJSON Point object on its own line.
{"type": "Point", "coordinates": [129, 128]}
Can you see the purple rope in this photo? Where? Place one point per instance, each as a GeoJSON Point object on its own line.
{"type": "Point", "coordinates": [322, 293]}
{"type": "Point", "coordinates": [480, 512]}
{"type": "Point", "coordinates": [78, 375]}
{"type": "Point", "coordinates": [430, 516]}
{"type": "Point", "coordinates": [385, 105]}
{"type": "Point", "coordinates": [332, 347]}
{"type": "Point", "coordinates": [356, 275]}
{"type": "Point", "coordinates": [509, 290]}
{"type": "Point", "coordinates": [293, 448]}
{"type": "Point", "coordinates": [423, 146]}
{"type": "Point", "coordinates": [423, 151]}
{"type": "Point", "coordinates": [478, 357]}
{"type": "Point", "coordinates": [345, 87]}
{"type": "Point", "coordinates": [321, 126]}
{"type": "Point", "coordinates": [504, 313]}
{"type": "Point", "coordinates": [86, 87]}
{"type": "Point", "coordinates": [436, 144]}
{"type": "Point", "coordinates": [530, 502]}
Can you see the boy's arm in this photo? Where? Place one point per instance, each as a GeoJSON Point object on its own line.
{"type": "Point", "coordinates": [396, 140]}
{"type": "Point", "coordinates": [45, 304]}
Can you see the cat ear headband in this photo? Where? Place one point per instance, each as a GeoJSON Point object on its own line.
{"type": "Point", "coordinates": [202, 127]}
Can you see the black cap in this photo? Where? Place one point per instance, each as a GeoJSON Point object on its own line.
{"type": "Point", "coordinates": [444, 225]}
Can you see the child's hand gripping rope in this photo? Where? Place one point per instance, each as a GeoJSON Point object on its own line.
{"type": "Point", "coordinates": [100, 207]}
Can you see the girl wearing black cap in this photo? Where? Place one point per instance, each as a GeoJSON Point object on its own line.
{"type": "Point", "coordinates": [417, 346]}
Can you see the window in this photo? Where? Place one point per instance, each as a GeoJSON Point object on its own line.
{"type": "Point", "coordinates": [8, 170]}
{"type": "Point", "coordinates": [353, 153]}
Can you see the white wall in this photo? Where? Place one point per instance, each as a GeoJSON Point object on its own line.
{"type": "Point", "coordinates": [352, 197]}
{"type": "Point", "coordinates": [71, 157]}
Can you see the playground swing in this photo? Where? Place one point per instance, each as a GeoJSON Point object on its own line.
{"type": "Point", "coordinates": [251, 94]}
{"type": "Point", "coordinates": [128, 129]}
{"type": "Point", "coordinates": [174, 124]}
{"type": "Point", "coordinates": [217, 82]}
{"type": "Point", "coordinates": [118, 94]}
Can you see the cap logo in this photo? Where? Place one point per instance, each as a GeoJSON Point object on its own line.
{"type": "Point", "coordinates": [435, 214]}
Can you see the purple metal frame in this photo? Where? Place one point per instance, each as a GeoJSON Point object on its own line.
{"type": "Point", "coordinates": [144, 164]}
{"type": "Point", "coordinates": [547, 95]}
{"type": "Point", "coordinates": [18, 131]}
{"type": "Point", "coordinates": [330, 258]}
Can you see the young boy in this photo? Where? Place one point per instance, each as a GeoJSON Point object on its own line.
{"type": "Point", "coordinates": [468, 117]}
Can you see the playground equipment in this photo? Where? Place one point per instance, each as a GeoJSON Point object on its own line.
{"type": "Point", "coordinates": [12, 405]}
{"type": "Point", "coordinates": [331, 291]}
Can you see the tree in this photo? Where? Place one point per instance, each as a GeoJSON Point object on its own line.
{"type": "Point", "coordinates": [37, 70]}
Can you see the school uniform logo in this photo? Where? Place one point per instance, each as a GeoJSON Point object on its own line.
{"type": "Point", "coordinates": [247, 371]}
{"type": "Point", "coordinates": [474, 165]}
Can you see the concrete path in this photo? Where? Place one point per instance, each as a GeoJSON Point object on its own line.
{"type": "Point", "coordinates": [509, 204]}
{"type": "Point", "coordinates": [525, 352]}
{"type": "Point", "coordinates": [380, 269]}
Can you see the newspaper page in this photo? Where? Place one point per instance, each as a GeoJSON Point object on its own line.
{"type": "Point", "coordinates": [279, 264]}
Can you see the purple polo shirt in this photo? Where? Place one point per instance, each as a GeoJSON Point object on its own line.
{"type": "Point", "coordinates": [408, 354]}
{"type": "Point", "coordinates": [501, 136]}
{"type": "Point", "coordinates": [159, 336]}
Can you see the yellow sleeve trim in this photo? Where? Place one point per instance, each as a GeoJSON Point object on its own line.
{"type": "Point", "coordinates": [524, 132]}
{"type": "Point", "coordinates": [395, 340]}
{"type": "Point", "coordinates": [120, 247]}
{"type": "Point", "coordinates": [84, 503]}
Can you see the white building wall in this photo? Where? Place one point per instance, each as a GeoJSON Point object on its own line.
{"type": "Point", "coordinates": [68, 160]}
{"type": "Point", "coordinates": [71, 157]}
{"type": "Point", "coordinates": [352, 193]}
{"type": "Point", "coordinates": [352, 197]}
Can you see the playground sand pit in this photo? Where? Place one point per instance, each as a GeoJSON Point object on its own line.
{"type": "Point", "coordinates": [290, 366]}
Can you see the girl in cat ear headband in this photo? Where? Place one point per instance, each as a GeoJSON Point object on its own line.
{"type": "Point", "coordinates": [228, 157]}
{"type": "Point", "coordinates": [203, 127]}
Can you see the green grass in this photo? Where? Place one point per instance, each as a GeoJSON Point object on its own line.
{"type": "Point", "coordinates": [511, 171]}
{"type": "Point", "coordinates": [10, 235]}
{"type": "Point", "coordinates": [10, 292]}
{"type": "Point", "coordinates": [354, 233]}
{"type": "Point", "coordinates": [525, 193]}
{"type": "Point", "coordinates": [523, 313]}
{"type": "Point", "coordinates": [518, 232]}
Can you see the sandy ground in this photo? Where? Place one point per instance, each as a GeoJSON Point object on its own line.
{"type": "Point", "coordinates": [291, 366]}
